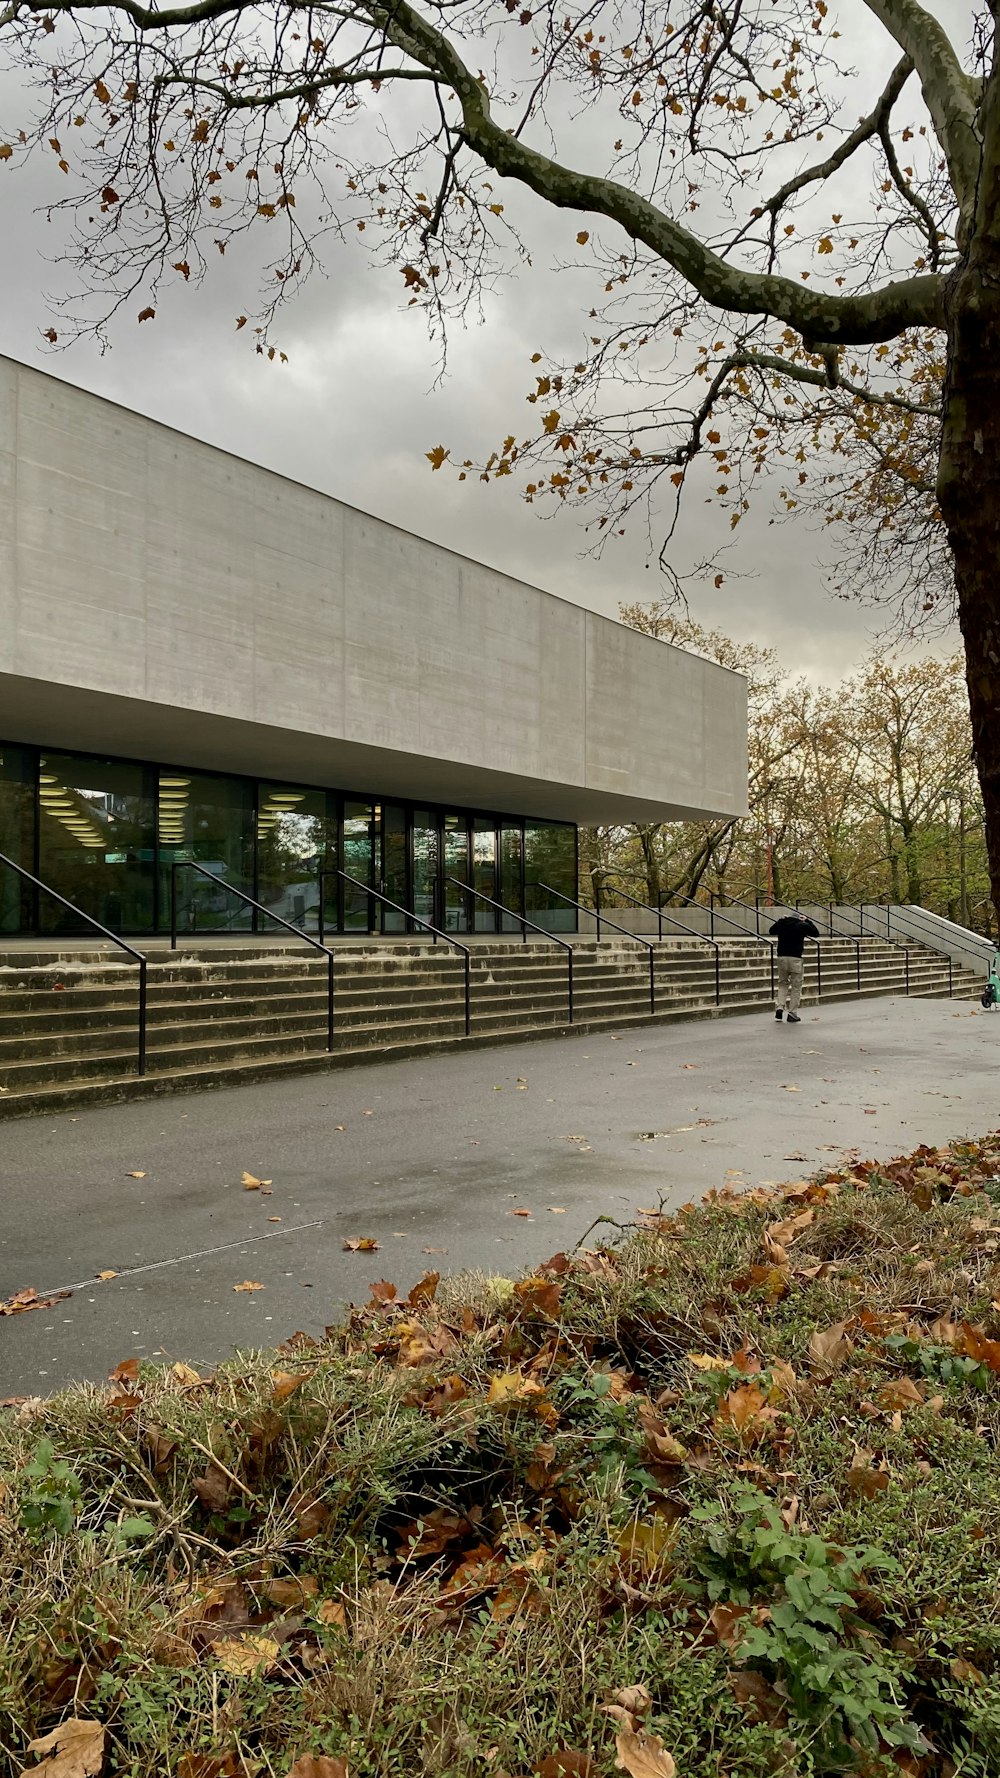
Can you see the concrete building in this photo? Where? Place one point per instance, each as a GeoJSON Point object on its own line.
{"type": "Point", "coordinates": [201, 660]}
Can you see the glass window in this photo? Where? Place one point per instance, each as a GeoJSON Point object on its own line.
{"type": "Point", "coordinates": [358, 907]}
{"type": "Point", "coordinates": [296, 837]}
{"type": "Point", "coordinates": [456, 872]}
{"type": "Point", "coordinates": [484, 871]}
{"type": "Point", "coordinates": [17, 836]}
{"type": "Point", "coordinates": [426, 855]}
{"type": "Point", "coordinates": [550, 870]}
{"type": "Point", "coordinates": [95, 841]}
{"type": "Point", "coordinates": [511, 873]}
{"type": "Point", "coordinates": [207, 820]}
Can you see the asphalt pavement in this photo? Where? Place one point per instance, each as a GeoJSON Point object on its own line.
{"type": "Point", "coordinates": [433, 1158]}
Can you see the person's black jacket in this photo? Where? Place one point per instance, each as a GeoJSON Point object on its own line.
{"type": "Point", "coordinates": [791, 932]}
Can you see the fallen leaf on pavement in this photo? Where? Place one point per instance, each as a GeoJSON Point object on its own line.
{"type": "Point", "coordinates": [248, 1284]}
{"type": "Point", "coordinates": [252, 1184]}
{"type": "Point", "coordinates": [135, 1175]}
{"type": "Point", "coordinates": [643, 1756]}
{"type": "Point", "coordinates": [22, 1300]}
{"type": "Point", "coordinates": [361, 1244]}
{"type": "Point", "coordinates": [74, 1750]}
{"type": "Point", "coordinates": [104, 1276]}
{"type": "Point", "coordinates": [520, 1212]}
{"type": "Point", "coordinates": [556, 1210]}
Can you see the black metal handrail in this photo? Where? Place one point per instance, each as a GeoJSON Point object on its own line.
{"type": "Point", "coordinates": [635, 936]}
{"type": "Point", "coordinates": [524, 923]}
{"type": "Point", "coordinates": [752, 907]}
{"type": "Point", "coordinates": [854, 937]}
{"type": "Point", "coordinates": [179, 864]}
{"type": "Point", "coordinates": [690, 931]}
{"type": "Point", "coordinates": [917, 937]}
{"type": "Point", "coordinates": [418, 920]}
{"type": "Point", "coordinates": [139, 956]}
{"type": "Point", "coordinates": [713, 914]}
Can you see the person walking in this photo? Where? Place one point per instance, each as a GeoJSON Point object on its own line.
{"type": "Point", "coordinates": [791, 932]}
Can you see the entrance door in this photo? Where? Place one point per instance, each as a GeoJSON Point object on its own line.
{"type": "Point", "coordinates": [426, 858]}
{"type": "Point", "coordinates": [394, 872]}
{"type": "Point", "coordinates": [485, 875]}
{"type": "Point", "coordinates": [357, 906]}
{"type": "Point", "coordinates": [455, 854]}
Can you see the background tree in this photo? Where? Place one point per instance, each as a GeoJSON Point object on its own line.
{"type": "Point", "coordinates": [862, 791]}
{"type": "Point", "coordinates": [764, 248]}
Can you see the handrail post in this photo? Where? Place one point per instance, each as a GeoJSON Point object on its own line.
{"type": "Point", "coordinates": [819, 972]}
{"type": "Point", "coordinates": [322, 898]}
{"type": "Point", "coordinates": [857, 959]}
{"type": "Point", "coordinates": [718, 979]}
{"type": "Point", "coordinates": [142, 1015]}
{"type": "Point", "coordinates": [756, 900]}
{"type": "Point", "coordinates": [173, 904]}
{"type": "Point", "coordinates": [569, 980]}
{"type": "Point", "coordinates": [906, 954]}
{"type": "Point", "coordinates": [329, 1002]}
{"type": "Point", "coordinates": [652, 981]}
{"type": "Point", "coordinates": [951, 977]}
{"type": "Point", "coordinates": [468, 994]}
{"type": "Point", "coordinates": [771, 953]}
{"type": "Point", "coordinates": [829, 909]}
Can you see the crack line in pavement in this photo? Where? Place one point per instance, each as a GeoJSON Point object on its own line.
{"type": "Point", "coordinates": [157, 1265]}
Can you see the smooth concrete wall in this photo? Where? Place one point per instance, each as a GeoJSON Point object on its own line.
{"type": "Point", "coordinates": [161, 598]}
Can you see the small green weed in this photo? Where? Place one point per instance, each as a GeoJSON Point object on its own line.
{"type": "Point", "coordinates": [52, 1496]}
{"type": "Point", "coordinates": [809, 1637]}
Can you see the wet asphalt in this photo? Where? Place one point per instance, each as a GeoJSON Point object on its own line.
{"type": "Point", "coordinates": [432, 1157]}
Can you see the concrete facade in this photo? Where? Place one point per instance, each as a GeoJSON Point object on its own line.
{"type": "Point", "coordinates": [161, 599]}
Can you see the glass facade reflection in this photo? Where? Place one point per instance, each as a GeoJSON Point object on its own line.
{"type": "Point", "coordinates": [107, 834]}
{"type": "Point", "coordinates": [95, 842]}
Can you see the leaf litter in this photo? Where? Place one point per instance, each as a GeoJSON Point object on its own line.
{"type": "Point", "coordinates": [536, 1501]}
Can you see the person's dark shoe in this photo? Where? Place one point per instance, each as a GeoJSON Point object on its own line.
{"type": "Point", "coordinates": [793, 1019]}
{"type": "Point", "coordinates": [778, 1013]}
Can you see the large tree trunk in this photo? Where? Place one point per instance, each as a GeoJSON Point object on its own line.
{"type": "Point", "coordinates": [969, 482]}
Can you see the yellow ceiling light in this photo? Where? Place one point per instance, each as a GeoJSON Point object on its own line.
{"type": "Point", "coordinates": [171, 783]}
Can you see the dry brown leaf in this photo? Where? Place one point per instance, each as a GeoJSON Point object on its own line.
{"type": "Point", "coordinates": [704, 1361]}
{"type": "Point", "coordinates": [183, 1373]}
{"type": "Point", "coordinates": [285, 1383]}
{"type": "Point", "coordinates": [520, 1212]}
{"type": "Point", "coordinates": [566, 1762]}
{"type": "Point", "coordinates": [862, 1479]}
{"type": "Point", "coordinates": [634, 1698]}
{"type": "Point", "coordinates": [103, 1277]}
{"type": "Point", "coordinates": [319, 1765]}
{"type": "Point", "coordinates": [829, 1348]}
{"type": "Point", "coordinates": [252, 1184]}
{"type": "Point", "coordinates": [290, 1592]}
{"type": "Point", "coordinates": [643, 1756]}
{"type": "Point", "coordinates": [901, 1393]}
{"type": "Point", "coordinates": [332, 1612]}
{"type": "Point", "coordinates": [361, 1244]}
{"type": "Point", "coordinates": [74, 1750]}
{"type": "Point", "coordinates": [135, 1175]}
{"type": "Point", "coordinates": [248, 1284]}
{"type": "Point", "coordinates": [246, 1654]}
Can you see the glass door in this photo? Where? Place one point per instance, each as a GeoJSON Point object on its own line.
{"type": "Point", "coordinates": [511, 874]}
{"type": "Point", "coordinates": [394, 873]}
{"type": "Point", "coordinates": [455, 851]}
{"type": "Point", "coordinates": [295, 838]}
{"type": "Point", "coordinates": [426, 864]}
{"type": "Point", "coordinates": [95, 841]}
{"type": "Point", "coordinates": [17, 825]}
{"type": "Point", "coordinates": [485, 876]}
{"type": "Point", "coordinates": [358, 858]}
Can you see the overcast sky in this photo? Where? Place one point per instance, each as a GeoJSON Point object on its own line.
{"type": "Point", "coordinates": [355, 408]}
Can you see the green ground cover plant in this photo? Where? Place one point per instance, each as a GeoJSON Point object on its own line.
{"type": "Point", "coordinates": [717, 1497]}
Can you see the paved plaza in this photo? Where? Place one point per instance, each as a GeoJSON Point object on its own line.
{"type": "Point", "coordinates": [432, 1158]}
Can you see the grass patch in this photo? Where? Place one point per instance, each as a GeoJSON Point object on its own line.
{"type": "Point", "coordinates": [719, 1498]}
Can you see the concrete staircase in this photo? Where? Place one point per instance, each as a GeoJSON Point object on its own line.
{"type": "Point", "coordinates": [223, 1014]}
